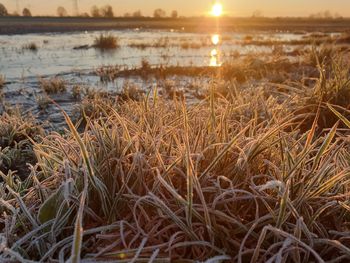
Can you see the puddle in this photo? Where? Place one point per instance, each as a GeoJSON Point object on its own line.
{"type": "Point", "coordinates": [56, 53]}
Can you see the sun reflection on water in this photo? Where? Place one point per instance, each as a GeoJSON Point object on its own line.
{"type": "Point", "coordinates": [214, 59]}
{"type": "Point", "coordinates": [215, 53]}
{"type": "Point", "coordinates": [215, 39]}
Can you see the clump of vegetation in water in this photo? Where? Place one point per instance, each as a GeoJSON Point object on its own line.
{"type": "Point", "coordinates": [131, 91]}
{"type": "Point", "coordinates": [76, 92]}
{"type": "Point", "coordinates": [2, 81]}
{"type": "Point", "coordinates": [53, 85]}
{"type": "Point", "coordinates": [43, 101]}
{"type": "Point", "coordinates": [141, 46]}
{"type": "Point", "coordinates": [189, 45]}
{"type": "Point", "coordinates": [161, 43]}
{"type": "Point", "coordinates": [105, 42]}
{"type": "Point", "coordinates": [107, 73]}
{"type": "Point", "coordinates": [31, 46]}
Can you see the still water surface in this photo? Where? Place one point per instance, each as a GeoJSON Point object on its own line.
{"type": "Point", "coordinates": [56, 53]}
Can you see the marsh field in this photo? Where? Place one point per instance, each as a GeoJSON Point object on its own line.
{"type": "Point", "coordinates": [174, 140]}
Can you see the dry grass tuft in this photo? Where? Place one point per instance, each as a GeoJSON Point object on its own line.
{"type": "Point", "coordinates": [17, 135]}
{"type": "Point", "coordinates": [108, 73]}
{"type": "Point", "coordinates": [31, 46]}
{"type": "Point", "coordinates": [43, 101]}
{"type": "Point", "coordinates": [2, 81]}
{"type": "Point", "coordinates": [188, 45]}
{"type": "Point", "coordinates": [105, 42]}
{"type": "Point", "coordinates": [141, 46]}
{"type": "Point", "coordinates": [76, 91]}
{"type": "Point", "coordinates": [53, 85]}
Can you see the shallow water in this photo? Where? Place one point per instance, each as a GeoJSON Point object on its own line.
{"type": "Point", "coordinates": [56, 55]}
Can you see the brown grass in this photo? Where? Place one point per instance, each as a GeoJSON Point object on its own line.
{"type": "Point", "coordinates": [53, 85]}
{"type": "Point", "coordinates": [17, 136]}
{"type": "Point", "coordinates": [2, 81]}
{"type": "Point", "coordinates": [31, 46]}
{"type": "Point", "coordinates": [105, 42]}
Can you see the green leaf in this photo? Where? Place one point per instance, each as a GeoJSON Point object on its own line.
{"type": "Point", "coordinates": [50, 207]}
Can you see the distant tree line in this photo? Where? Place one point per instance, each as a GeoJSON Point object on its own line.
{"type": "Point", "coordinates": [4, 12]}
{"type": "Point", "coordinates": [105, 11]}
{"type": "Point", "coordinates": [325, 15]}
{"type": "Point", "coordinates": [137, 13]}
{"type": "Point", "coordinates": [108, 12]}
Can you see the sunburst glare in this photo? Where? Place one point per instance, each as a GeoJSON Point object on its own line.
{"type": "Point", "coordinates": [217, 9]}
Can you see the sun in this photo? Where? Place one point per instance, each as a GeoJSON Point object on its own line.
{"type": "Point", "coordinates": [217, 9]}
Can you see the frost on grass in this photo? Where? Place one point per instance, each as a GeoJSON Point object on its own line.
{"type": "Point", "coordinates": [248, 174]}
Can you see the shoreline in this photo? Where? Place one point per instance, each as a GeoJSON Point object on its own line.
{"type": "Point", "coordinates": [27, 25]}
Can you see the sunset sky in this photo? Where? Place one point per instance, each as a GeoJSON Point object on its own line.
{"type": "Point", "coordinates": [192, 7]}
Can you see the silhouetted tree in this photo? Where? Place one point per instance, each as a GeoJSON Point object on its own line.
{"type": "Point", "coordinates": [84, 14]}
{"type": "Point", "coordinates": [137, 14]}
{"type": "Point", "coordinates": [26, 12]}
{"type": "Point", "coordinates": [325, 15]}
{"type": "Point", "coordinates": [95, 12]}
{"type": "Point", "coordinates": [3, 10]}
{"type": "Point", "coordinates": [338, 16]}
{"type": "Point", "coordinates": [127, 14]}
{"type": "Point", "coordinates": [257, 13]}
{"type": "Point", "coordinates": [174, 14]}
{"type": "Point", "coordinates": [107, 11]}
{"type": "Point", "coordinates": [159, 13]}
{"type": "Point", "coordinates": [61, 11]}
